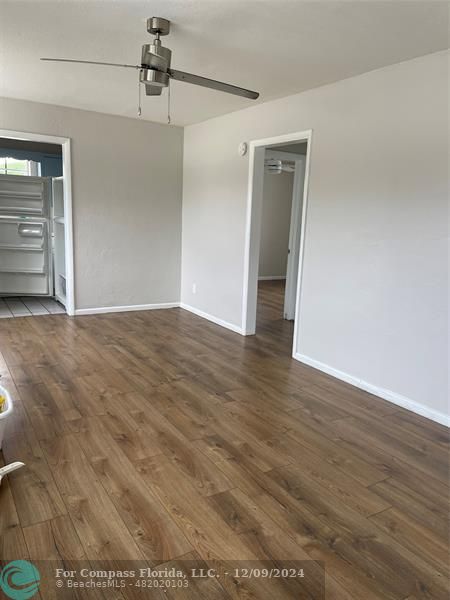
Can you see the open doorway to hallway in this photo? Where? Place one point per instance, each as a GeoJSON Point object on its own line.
{"type": "Point", "coordinates": [35, 226]}
{"type": "Point", "coordinates": [284, 176]}
{"type": "Point", "coordinates": [277, 213]}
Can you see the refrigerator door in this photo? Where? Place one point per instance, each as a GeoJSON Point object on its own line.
{"type": "Point", "coordinates": [20, 195]}
{"type": "Point", "coordinates": [59, 239]}
{"type": "Point", "coordinates": [25, 265]}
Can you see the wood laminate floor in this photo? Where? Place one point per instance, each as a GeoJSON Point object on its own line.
{"type": "Point", "coordinates": [160, 437]}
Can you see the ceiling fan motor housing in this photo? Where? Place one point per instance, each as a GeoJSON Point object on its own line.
{"type": "Point", "coordinates": [155, 58]}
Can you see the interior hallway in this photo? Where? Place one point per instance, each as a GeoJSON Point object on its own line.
{"type": "Point", "coordinates": [158, 435]}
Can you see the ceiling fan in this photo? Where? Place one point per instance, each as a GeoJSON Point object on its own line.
{"type": "Point", "coordinates": [275, 166]}
{"type": "Point", "coordinates": [155, 71]}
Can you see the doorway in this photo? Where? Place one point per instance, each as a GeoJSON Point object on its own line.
{"type": "Point", "coordinates": [36, 239]}
{"type": "Point", "coordinates": [277, 206]}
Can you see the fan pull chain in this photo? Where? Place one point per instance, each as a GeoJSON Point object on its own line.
{"type": "Point", "coordinates": [168, 105]}
{"type": "Point", "coordinates": [139, 111]}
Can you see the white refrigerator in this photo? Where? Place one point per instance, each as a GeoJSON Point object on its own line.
{"type": "Point", "coordinates": [26, 263]}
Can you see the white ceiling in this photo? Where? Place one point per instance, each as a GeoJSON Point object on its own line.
{"type": "Point", "coordinates": [275, 47]}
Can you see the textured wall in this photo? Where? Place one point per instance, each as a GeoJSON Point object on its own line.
{"type": "Point", "coordinates": [126, 185]}
{"type": "Point", "coordinates": [374, 297]}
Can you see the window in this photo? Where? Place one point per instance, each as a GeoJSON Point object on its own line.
{"type": "Point", "coordinates": [14, 166]}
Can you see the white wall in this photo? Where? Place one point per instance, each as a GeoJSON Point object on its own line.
{"type": "Point", "coordinates": [275, 223]}
{"type": "Point", "coordinates": [374, 300]}
{"type": "Point", "coordinates": [126, 186]}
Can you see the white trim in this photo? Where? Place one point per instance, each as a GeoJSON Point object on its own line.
{"type": "Point", "coordinates": [270, 277]}
{"type": "Point", "coordinates": [295, 236]}
{"type": "Point", "coordinates": [252, 229]}
{"type": "Point", "coordinates": [398, 399]}
{"type": "Point", "coordinates": [68, 216]}
{"type": "Point", "coordinates": [131, 307]}
{"type": "Point", "coordinates": [212, 318]}
{"type": "Point", "coordinates": [298, 299]}
{"type": "Point", "coordinates": [32, 137]}
{"type": "Point", "coordinates": [68, 228]}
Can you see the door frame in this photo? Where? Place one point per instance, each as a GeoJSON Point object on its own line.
{"type": "Point", "coordinates": [68, 215]}
{"type": "Point", "coordinates": [253, 227]}
{"type": "Point", "coordinates": [294, 225]}
{"type": "Point", "coordinates": [294, 237]}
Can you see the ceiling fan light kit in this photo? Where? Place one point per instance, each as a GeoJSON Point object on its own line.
{"type": "Point", "coordinates": [275, 166]}
{"type": "Point", "coordinates": [155, 70]}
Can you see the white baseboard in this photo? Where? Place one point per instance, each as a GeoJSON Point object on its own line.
{"type": "Point", "coordinates": [388, 395]}
{"type": "Point", "coordinates": [212, 318]}
{"type": "Point", "coordinates": [131, 307]}
{"type": "Point", "coordinates": [271, 277]}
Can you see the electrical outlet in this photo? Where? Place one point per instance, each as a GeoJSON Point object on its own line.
{"type": "Point", "coordinates": [194, 288]}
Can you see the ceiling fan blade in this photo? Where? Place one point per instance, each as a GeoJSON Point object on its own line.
{"type": "Point", "coordinates": [212, 83]}
{"type": "Point", "coordinates": [91, 62]}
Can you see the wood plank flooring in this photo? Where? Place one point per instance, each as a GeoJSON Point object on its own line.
{"type": "Point", "coordinates": [27, 306]}
{"type": "Point", "coordinates": [159, 437]}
